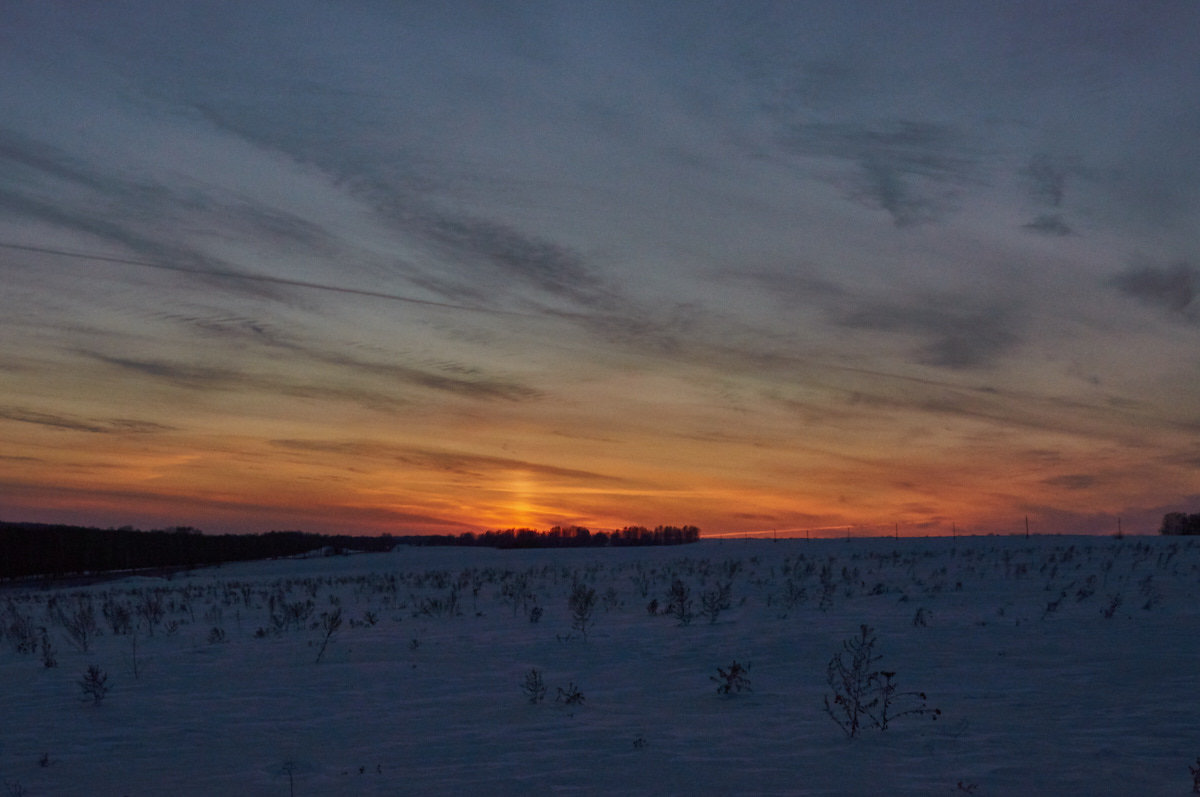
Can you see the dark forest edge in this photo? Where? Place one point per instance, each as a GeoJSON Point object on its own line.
{"type": "Point", "coordinates": [1174, 523]}
{"type": "Point", "coordinates": [570, 537]}
{"type": "Point", "coordinates": [29, 550]}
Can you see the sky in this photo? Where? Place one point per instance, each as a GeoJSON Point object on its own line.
{"type": "Point", "coordinates": [767, 268]}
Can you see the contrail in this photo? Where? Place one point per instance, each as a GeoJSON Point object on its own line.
{"type": "Point", "coordinates": [318, 286]}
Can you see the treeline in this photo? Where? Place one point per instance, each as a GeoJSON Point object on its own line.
{"type": "Point", "coordinates": [55, 551]}
{"type": "Point", "coordinates": [36, 549]}
{"type": "Point", "coordinates": [563, 537]}
{"type": "Point", "coordinates": [1180, 523]}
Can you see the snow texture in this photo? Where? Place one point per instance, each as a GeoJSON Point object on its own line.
{"type": "Point", "coordinates": [1061, 665]}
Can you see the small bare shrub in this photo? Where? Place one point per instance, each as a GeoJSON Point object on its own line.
{"type": "Point", "coordinates": [852, 677]}
{"type": "Point", "coordinates": [571, 696]}
{"type": "Point", "coordinates": [794, 594]}
{"type": "Point", "coordinates": [20, 629]}
{"type": "Point", "coordinates": [515, 590]}
{"type": "Point", "coordinates": [863, 696]}
{"type": "Point", "coordinates": [94, 684]}
{"type": "Point", "coordinates": [330, 623]}
{"type": "Point", "coordinates": [641, 580]}
{"type": "Point", "coordinates": [732, 679]}
{"type": "Point", "coordinates": [679, 602]}
{"type": "Point", "coordinates": [439, 607]}
{"type": "Point", "coordinates": [134, 662]}
{"type": "Point", "coordinates": [49, 657]}
{"type": "Point", "coordinates": [79, 622]}
{"type": "Point", "coordinates": [533, 686]}
{"type": "Point", "coordinates": [582, 603]}
{"type": "Point", "coordinates": [887, 698]}
{"type": "Point", "coordinates": [716, 600]}
{"type": "Point", "coordinates": [118, 615]}
{"type": "Point", "coordinates": [151, 608]}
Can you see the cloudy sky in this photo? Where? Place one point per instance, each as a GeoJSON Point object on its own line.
{"type": "Point", "coordinates": [760, 267]}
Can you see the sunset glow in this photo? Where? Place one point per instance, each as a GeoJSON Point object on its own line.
{"type": "Point", "coordinates": [761, 268]}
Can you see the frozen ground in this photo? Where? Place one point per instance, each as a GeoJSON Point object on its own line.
{"type": "Point", "coordinates": [1061, 665]}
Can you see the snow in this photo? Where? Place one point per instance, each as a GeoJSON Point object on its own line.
{"type": "Point", "coordinates": [1040, 691]}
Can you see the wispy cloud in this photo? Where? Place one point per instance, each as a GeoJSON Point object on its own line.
{"type": "Point", "coordinates": [1047, 180]}
{"type": "Point", "coordinates": [471, 384]}
{"type": "Point", "coordinates": [512, 254]}
{"type": "Point", "coordinates": [342, 379]}
{"type": "Point", "coordinates": [457, 463]}
{"type": "Point", "coordinates": [181, 375]}
{"type": "Point", "coordinates": [7, 458]}
{"type": "Point", "coordinates": [81, 424]}
{"type": "Point", "coordinates": [1049, 224]}
{"type": "Point", "coordinates": [229, 278]}
{"type": "Point", "coordinates": [105, 217]}
{"type": "Point", "coordinates": [911, 169]}
{"type": "Point", "coordinates": [1072, 481]}
{"type": "Point", "coordinates": [442, 375]}
{"type": "Point", "coordinates": [168, 505]}
{"type": "Point", "coordinates": [138, 222]}
{"type": "Point", "coordinates": [958, 333]}
{"type": "Point", "coordinates": [1171, 288]}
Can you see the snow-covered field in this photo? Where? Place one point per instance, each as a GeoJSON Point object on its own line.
{"type": "Point", "coordinates": [1060, 665]}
